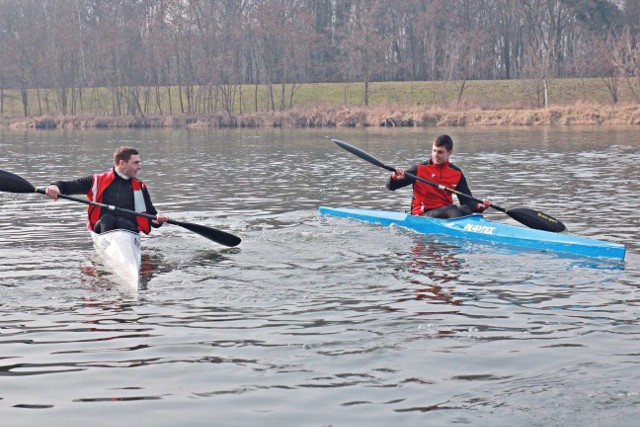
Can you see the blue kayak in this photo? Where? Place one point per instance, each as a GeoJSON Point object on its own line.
{"type": "Point", "coordinates": [476, 227]}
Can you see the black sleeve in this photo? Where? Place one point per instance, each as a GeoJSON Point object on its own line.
{"type": "Point", "coordinates": [151, 210]}
{"type": "Point", "coordinates": [463, 187]}
{"type": "Point", "coordinates": [78, 186]}
{"type": "Point", "coordinates": [393, 184]}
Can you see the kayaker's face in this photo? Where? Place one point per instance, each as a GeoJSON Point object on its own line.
{"type": "Point", "coordinates": [131, 167]}
{"type": "Point", "coordinates": [440, 155]}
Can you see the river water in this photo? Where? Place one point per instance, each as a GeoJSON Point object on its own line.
{"type": "Point", "coordinates": [319, 321]}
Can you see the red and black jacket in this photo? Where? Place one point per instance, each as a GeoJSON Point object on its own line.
{"type": "Point", "coordinates": [111, 189]}
{"type": "Point", "coordinates": [100, 183]}
{"type": "Point", "coordinates": [427, 197]}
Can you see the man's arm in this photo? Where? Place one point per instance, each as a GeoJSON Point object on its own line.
{"type": "Point", "coordinates": [394, 183]}
{"type": "Point", "coordinates": [151, 210]}
{"type": "Point", "coordinates": [463, 187]}
{"type": "Point", "coordinates": [78, 186]}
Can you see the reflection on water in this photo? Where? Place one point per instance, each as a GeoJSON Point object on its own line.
{"type": "Point", "coordinates": [96, 275]}
{"type": "Point", "coordinates": [435, 267]}
{"type": "Point", "coordinates": [315, 320]}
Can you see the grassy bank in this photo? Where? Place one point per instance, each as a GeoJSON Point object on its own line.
{"type": "Point", "coordinates": [415, 104]}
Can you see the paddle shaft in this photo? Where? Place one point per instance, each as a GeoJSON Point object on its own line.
{"type": "Point", "coordinates": [104, 206]}
{"type": "Point", "coordinates": [218, 236]}
{"type": "Point", "coordinates": [443, 188]}
{"type": "Point", "coordinates": [368, 157]}
{"type": "Point", "coordinates": [16, 184]}
{"type": "Point", "coordinates": [528, 217]}
{"type": "Point", "coordinates": [451, 190]}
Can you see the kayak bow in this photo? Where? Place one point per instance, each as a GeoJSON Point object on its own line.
{"type": "Point", "coordinates": [121, 253]}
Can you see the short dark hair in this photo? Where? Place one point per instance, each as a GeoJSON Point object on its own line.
{"type": "Point", "coordinates": [124, 153]}
{"type": "Point", "coordinates": [444, 141]}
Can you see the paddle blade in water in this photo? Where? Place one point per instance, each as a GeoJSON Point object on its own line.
{"type": "Point", "coordinates": [218, 236]}
{"type": "Point", "coordinates": [535, 219]}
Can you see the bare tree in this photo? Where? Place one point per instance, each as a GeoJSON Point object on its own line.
{"type": "Point", "coordinates": [194, 56]}
{"type": "Point", "coordinates": [22, 48]}
{"type": "Point", "coordinates": [364, 46]}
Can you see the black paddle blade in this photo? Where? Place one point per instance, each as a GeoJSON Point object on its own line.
{"type": "Point", "coordinates": [535, 219]}
{"type": "Point", "coordinates": [14, 183]}
{"type": "Point", "coordinates": [362, 154]}
{"type": "Point", "coordinates": [218, 236]}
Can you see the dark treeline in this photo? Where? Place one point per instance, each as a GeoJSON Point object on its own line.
{"type": "Point", "coordinates": [203, 50]}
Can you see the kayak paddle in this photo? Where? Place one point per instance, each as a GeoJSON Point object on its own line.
{"type": "Point", "coordinates": [526, 216]}
{"type": "Point", "coordinates": [15, 184]}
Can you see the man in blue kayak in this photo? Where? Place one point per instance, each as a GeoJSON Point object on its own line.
{"type": "Point", "coordinates": [118, 187]}
{"type": "Point", "coordinates": [429, 200]}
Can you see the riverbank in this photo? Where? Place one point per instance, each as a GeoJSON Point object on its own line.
{"type": "Point", "coordinates": [331, 117]}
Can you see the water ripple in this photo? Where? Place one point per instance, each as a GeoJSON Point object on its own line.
{"type": "Point", "coordinates": [315, 320]}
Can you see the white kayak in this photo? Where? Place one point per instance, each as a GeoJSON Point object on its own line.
{"type": "Point", "coordinates": [120, 250]}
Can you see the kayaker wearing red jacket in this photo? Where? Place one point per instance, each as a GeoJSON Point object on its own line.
{"type": "Point", "coordinates": [118, 187]}
{"type": "Point", "coordinates": [431, 201]}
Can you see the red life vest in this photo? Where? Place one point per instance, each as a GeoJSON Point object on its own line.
{"type": "Point", "coordinates": [426, 197]}
{"type": "Point", "coordinates": [100, 184]}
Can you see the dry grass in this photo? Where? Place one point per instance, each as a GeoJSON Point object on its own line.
{"type": "Point", "coordinates": [392, 104]}
{"type": "Point", "coordinates": [382, 116]}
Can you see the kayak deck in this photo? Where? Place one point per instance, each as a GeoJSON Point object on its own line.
{"type": "Point", "coordinates": [476, 227]}
{"type": "Point", "coordinates": [121, 253]}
